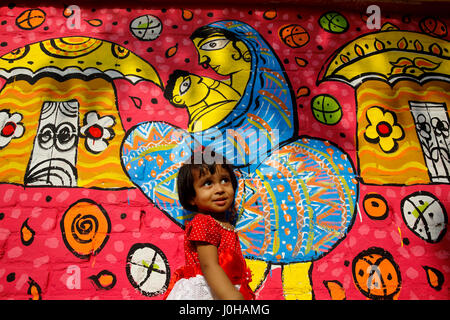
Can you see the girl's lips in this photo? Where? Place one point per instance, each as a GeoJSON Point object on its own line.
{"type": "Point", "coordinates": [220, 202]}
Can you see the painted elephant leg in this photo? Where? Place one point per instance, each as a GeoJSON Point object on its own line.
{"type": "Point", "coordinates": [297, 281]}
{"type": "Point", "coordinates": [259, 269]}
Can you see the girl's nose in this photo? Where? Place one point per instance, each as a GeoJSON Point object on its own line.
{"type": "Point", "coordinates": [218, 188]}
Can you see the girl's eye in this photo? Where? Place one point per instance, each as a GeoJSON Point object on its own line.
{"type": "Point", "coordinates": [216, 44]}
{"type": "Point", "coordinates": [225, 180]}
{"type": "Point", "coordinates": [185, 85]}
{"type": "Point", "coordinates": [207, 183]}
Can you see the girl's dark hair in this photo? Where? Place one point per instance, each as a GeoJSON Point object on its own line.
{"type": "Point", "coordinates": [185, 180]}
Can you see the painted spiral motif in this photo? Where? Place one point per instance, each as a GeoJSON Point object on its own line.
{"type": "Point", "coordinates": [85, 228]}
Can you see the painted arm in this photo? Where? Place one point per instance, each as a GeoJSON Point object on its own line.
{"type": "Point", "coordinates": [215, 276]}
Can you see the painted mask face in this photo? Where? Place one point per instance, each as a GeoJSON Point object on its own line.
{"type": "Point", "coordinates": [219, 53]}
{"type": "Point", "coordinates": [214, 193]}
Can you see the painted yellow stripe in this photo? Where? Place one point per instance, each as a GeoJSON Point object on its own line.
{"type": "Point", "coordinates": [369, 150]}
{"type": "Point", "coordinates": [406, 168]}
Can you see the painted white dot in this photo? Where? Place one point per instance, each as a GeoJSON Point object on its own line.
{"type": "Point", "coordinates": [412, 273]}
{"type": "Point", "coordinates": [118, 246]}
{"type": "Point", "coordinates": [15, 252]}
{"type": "Point", "coordinates": [111, 258]}
{"type": "Point", "coordinates": [52, 243]}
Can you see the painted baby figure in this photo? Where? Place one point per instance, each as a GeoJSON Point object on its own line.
{"type": "Point", "coordinates": [214, 265]}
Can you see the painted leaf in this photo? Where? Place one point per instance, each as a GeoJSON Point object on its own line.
{"type": "Point", "coordinates": [378, 45]}
{"type": "Point", "coordinates": [26, 234]}
{"type": "Point", "coordinates": [402, 43]}
{"type": "Point", "coordinates": [435, 277]}
{"type": "Point", "coordinates": [402, 62]}
{"type": "Point", "coordinates": [358, 50]}
{"type": "Point", "coordinates": [425, 64]}
{"type": "Point", "coordinates": [171, 51]}
{"type": "Point", "coordinates": [418, 45]}
{"type": "Point", "coordinates": [436, 49]}
{"type": "Point", "coordinates": [335, 289]}
{"type": "Point", "coordinates": [344, 58]}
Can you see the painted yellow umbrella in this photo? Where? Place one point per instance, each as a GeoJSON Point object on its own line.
{"type": "Point", "coordinates": [389, 55]}
{"type": "Point", "coordinates": [66, 83]}
{"type": "Point", "coordinates": [83, 56]}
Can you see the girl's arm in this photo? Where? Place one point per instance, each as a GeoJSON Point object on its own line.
{"type": "Point", "coordinates": [215, 276]}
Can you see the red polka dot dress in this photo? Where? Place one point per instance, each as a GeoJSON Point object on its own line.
{"type": "Point", "coordinates": [188, 282]}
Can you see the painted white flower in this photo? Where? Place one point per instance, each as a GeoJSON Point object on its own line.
{"type": "Point", "coordinates": [97, 131]}
{"type": "Point", "coordinates": [440, 127]}
{"type": "Point", "coordinates": [10, 127]}
{"type": "Point", "coordinates": [422, 127]}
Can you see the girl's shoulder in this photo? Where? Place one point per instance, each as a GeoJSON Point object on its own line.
{"type": "Point", "coordinates": [203, 228]}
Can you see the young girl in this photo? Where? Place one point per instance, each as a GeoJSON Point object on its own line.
{"type": "Point", "coordinates": [214, 267]}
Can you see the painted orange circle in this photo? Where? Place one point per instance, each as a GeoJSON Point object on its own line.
{"type": "Point", "coordinates": [376, 274]}
{"type": "Point", "coordinates": [375, 206]}
{"type": "Point", "coordinates": [85, 228]}
{"type": "Point", "coordinates": [294, 35]}
{"type": "Point", "coordinates": [434, 27]}
{"type": "Point", "coordinates": [30, 19]}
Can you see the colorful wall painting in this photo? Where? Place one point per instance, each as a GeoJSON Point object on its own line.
{"type": "Point", "coordinates": [339, 134]}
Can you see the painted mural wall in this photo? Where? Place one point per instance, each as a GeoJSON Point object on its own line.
{"type": "Point", "coordinates": [337, 122]}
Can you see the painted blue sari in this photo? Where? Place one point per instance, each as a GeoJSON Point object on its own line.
{"type": "Point", "coordinates": [264, 117]}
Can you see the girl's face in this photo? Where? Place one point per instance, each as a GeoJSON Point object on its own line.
{"type": "Point", "coordinates": [214, 193]}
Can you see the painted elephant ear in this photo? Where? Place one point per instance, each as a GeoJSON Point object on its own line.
{"type": "Point", "coordinates": [152, 153]}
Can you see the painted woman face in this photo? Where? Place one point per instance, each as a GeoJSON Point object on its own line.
{"type": "Point", "coordinates": [218, 52]}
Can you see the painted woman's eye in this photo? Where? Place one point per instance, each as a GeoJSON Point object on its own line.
{"type": "Point", "coordinates": [185, 85]}
{"type": "Point", "coordinates": [216, 44]}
